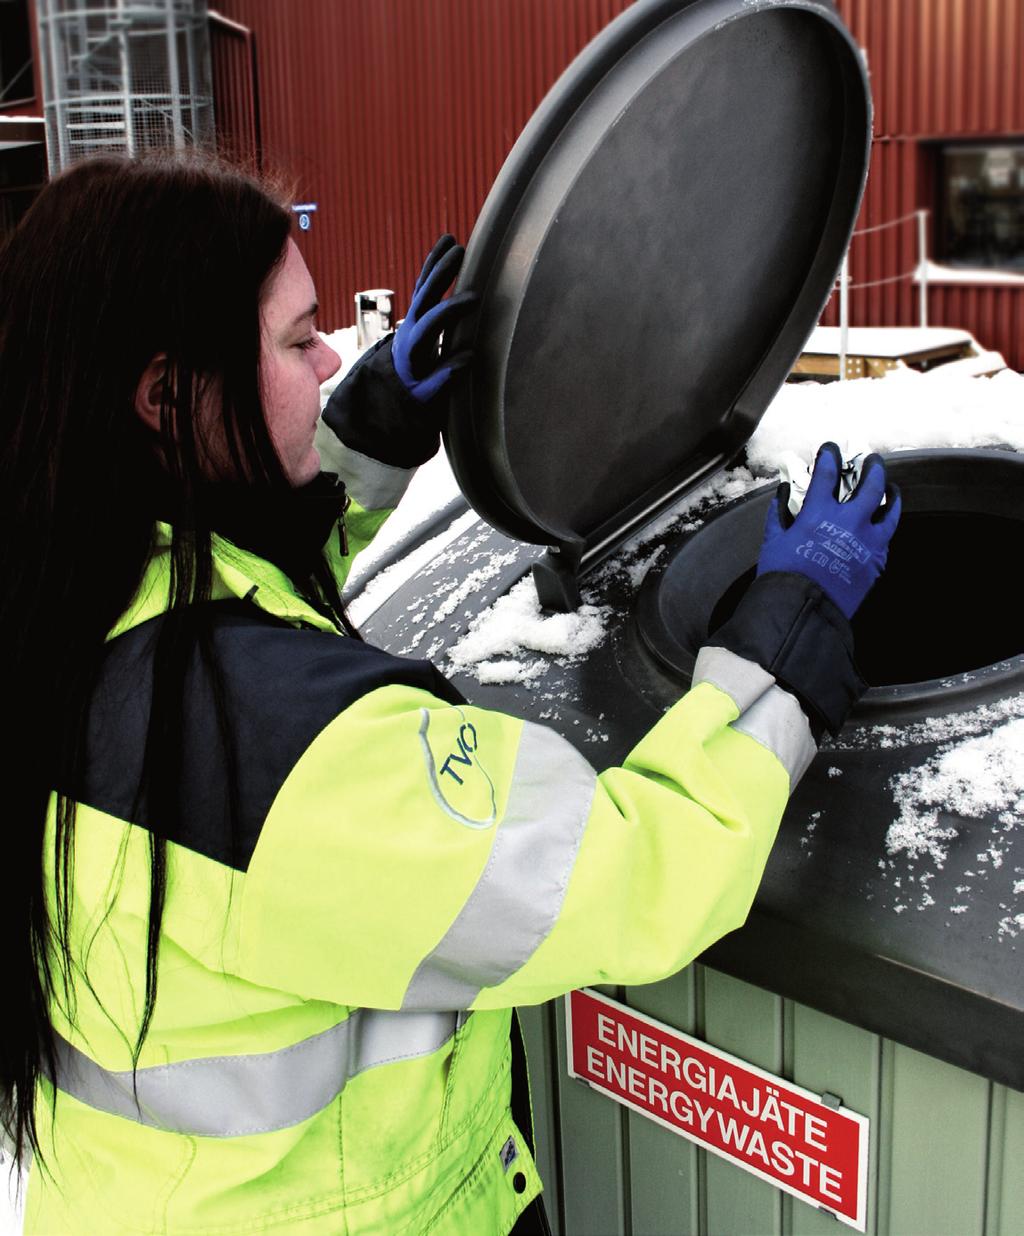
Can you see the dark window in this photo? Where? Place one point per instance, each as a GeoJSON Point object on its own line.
{"type": "Point", "coordinates": [22, 174]}
{"type": "Point", "coordinates": [981, 205]}
{"type": "Point", "coordinates": [15, 52]}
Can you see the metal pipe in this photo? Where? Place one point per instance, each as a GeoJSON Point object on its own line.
{"type": "Point", "coordinates": [174, 76]}
{"type": "Point", "coordinates": [58, 159]}
{"type": "Point", "coordinates": [126, 78]}
{"type": "Point", "coordinates": [191, 31]}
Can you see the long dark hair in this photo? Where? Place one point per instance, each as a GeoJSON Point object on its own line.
{"type": "Point", "coordinates": [118, 260]}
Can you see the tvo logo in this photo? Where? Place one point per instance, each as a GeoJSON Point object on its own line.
{"type": "Point", "coordinates": [466, 745]}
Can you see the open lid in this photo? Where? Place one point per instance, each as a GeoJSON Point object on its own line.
{"type": "Point", "coordinates": [651, 258]}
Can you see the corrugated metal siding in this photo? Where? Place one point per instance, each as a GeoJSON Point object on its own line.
{"type": "Point", "coordinates": [236, 111]}
{"type": "Point", "coordinates": [940, 69]}
{"type": "Point", "coordinates": [395, 118]}
{"type": "Point", "coordinates": [948, 67]}
{"type": "Point", "coordinates": [944, 1149]}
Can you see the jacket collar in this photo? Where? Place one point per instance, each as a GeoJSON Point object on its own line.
{"type": "Point", "coordinates": [253, 545]}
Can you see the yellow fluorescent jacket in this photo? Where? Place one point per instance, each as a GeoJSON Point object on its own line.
{"type": "Point", "coordinates": [330, 1046]}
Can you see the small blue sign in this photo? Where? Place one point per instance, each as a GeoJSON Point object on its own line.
{"type": "Point", "coordinates": [304, 210]}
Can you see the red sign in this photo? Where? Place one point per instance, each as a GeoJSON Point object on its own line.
{"type": "Point", "coordinates": [782, 1133]}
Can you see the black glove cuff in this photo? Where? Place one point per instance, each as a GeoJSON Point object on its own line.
{"type": "Point", "coordinates": [789, 626]}
{"type": "Point", "coordinates": [372, 412]}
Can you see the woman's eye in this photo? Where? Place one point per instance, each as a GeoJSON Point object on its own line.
{"type": "Point", "coordinates": [306, 344]}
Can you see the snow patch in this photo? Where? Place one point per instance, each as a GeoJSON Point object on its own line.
{"type": "Point", "coordinates": [515, 624]}
{"type": "Point", "coordinates": [981, 720]}
{"type": "Point", "coordinates": [385, 582]}
{"type": "Point", "coordinates": [905, 410]}
{"type": "Point", "coordinates": [471, 583]}
{"type": "Point", "coordinates": [971, 779]}
{"type": "Point", "coordinates": [631, 563]}
{"type": "Point", "coordinates": [510, 671]}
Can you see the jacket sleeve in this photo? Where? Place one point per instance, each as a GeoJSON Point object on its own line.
{"type": "Point", "coordinates": [373, 435]}
{"type": "Point", "coordinates": [427, 855]}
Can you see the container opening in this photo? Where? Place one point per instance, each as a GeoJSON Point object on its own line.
{"type": "Point", "coordinates": [948, 601]}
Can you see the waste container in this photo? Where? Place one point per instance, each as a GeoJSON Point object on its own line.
{"type": "Point", "coordinates": [713, 152]}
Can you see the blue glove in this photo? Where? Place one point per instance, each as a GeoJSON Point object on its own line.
{"type": "Point", "coordinates": [415, 349]}
{"type": "Point", "coordinates": [840, 546]}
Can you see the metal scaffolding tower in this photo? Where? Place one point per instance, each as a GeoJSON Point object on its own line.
{"type": "Point", "coordinates": [125, 75]}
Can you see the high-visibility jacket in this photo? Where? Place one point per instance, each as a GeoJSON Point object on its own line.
{"type": "Point", "coordinates": [329, 1050]}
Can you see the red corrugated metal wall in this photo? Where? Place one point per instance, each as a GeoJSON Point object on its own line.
{"type": "Point", "coordinates": [236, 109]}
{"type": "Point", "coordinates": [395, 115]}
{"type": "Point", "coordinates": [939, 69]}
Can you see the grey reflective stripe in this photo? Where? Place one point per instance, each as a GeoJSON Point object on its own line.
{"type": "Point", "coordinates": [768, 714]}
{"type": "Point", "coordinates": [374, 485]}
{"type": "Point", "coordinates": [230, 1096]}
{"type": "Point", "coordinates": [742, 680]}
{"type": "Point", "coordinates": [517, 900]}
{"type": "Point", "coordinates": [777, 722]}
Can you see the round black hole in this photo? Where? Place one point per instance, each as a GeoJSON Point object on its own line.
{"type": "Point", "coordinates": [519, 1182]}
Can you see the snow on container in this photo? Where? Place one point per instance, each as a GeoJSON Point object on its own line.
{"type": "Point", "coordinates": [713, 152]}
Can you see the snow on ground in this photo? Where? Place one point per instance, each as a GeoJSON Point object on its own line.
{"type": "Point", "coordinates": [905, 410]}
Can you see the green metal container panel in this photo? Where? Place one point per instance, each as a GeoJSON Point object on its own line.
{"type": "Point", "coordinates": [946, 1146]}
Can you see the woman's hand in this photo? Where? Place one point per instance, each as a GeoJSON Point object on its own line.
{"type": "Point", "coordinates": [840, 546]}
{"type": "Point", "coordinates": [416, 347]}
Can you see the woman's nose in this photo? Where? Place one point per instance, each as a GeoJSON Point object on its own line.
{"type": "Point", "coordinates": [328, 362]}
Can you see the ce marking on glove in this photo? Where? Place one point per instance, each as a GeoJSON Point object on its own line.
{"type": "Point", "coordinates": [833, 561]}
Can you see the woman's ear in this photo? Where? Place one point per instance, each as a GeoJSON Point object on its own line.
{"type": "Point", "coordinates": [150, 393]}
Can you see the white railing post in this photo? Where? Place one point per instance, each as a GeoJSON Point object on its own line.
{"type": "Point", "coordinates": [922, 265]}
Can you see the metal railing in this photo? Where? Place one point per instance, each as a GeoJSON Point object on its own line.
{"type": "Point", "coordinates": [124, 75]}
{"type": "Point", "coordinates": [920, 273]}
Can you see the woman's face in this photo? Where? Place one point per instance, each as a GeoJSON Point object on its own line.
{"type": "Point", "coordinates": [294, 361]}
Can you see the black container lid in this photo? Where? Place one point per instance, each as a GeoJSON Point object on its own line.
{"type": "Point", "coordinates": [653, 255]}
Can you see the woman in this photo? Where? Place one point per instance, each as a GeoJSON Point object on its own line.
{"type": "Point", "coordinates": [270, 894]}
